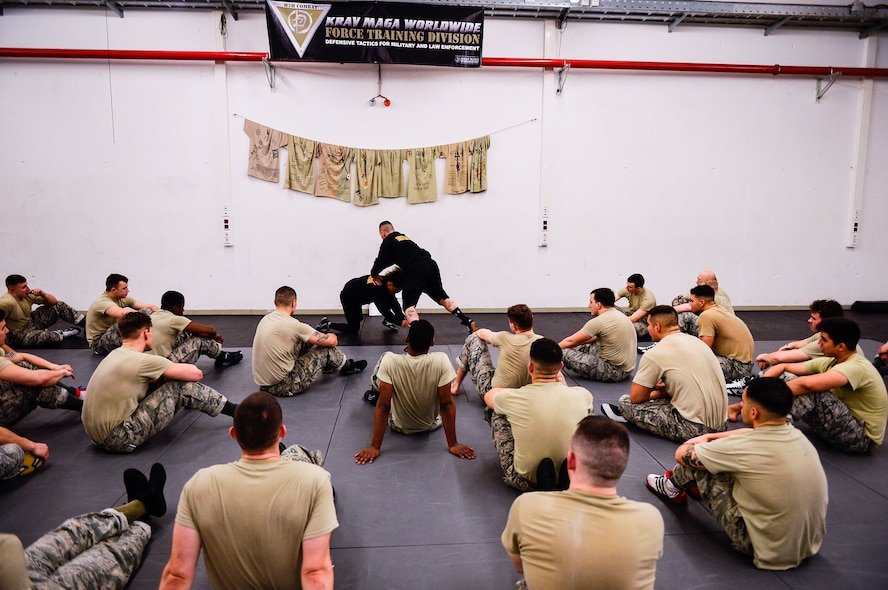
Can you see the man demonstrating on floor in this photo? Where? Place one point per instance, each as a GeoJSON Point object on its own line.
{"type": "Point", "coordinates": [133, 395]}
{"type": "Point", "coordinates": [182, 341]}
{"type": "Point", "coordinates": [421, 274]}
{"type": "Point", "coordinates": [679, 390]}
{"type": "Point", "coordinates": [605, 349]}
{"type": "Point", "coordinates": [102, 316]}
{"type": "Point", "coordinates": [723, 332]}
{"type": "Point", "coordinates": [641, 301]}
{"type": "Point", "coordinates": [514, 354]}
{"type": "Point", "coordinates": [587, 536]}
{"type": "Point", "coordinates": [262, 522]}
{"type": "Point", "coordinates": [288, 356]}
{"type": "Point", "coordinates": [535, 423]}
{"type": "Point", "coordinates": [29, 328]}
{"type": "Point", "coordinates": [95, 550]}
{"type": "Point", "coordinates": [28, 381]}
{"type": "Point", "coordinates": [363, 290]}
{"type": "Point", "coordinates": [764, 485]}
{"type": "Point", "coordinates": [841, 396]}
{"type": "Point", "coordinates": [413, 391]}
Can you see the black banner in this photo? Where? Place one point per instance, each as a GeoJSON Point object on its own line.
{"type": "Point", "coordinates": [370, 32]}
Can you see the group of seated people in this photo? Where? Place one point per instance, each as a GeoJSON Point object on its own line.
{"type": "Point", "coordinates": [544, 430]}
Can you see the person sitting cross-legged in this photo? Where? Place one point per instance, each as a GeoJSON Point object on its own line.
{"type": "Point", "coordinates": [133, 395]}
{"type": "Point", "coordinates": [29, 326]}
{"type": "Point", "coordinates": [764, 485]}
{"type": "Point", "coordinates": [263, 521]}
{"type": "Point", "coordinates": [531, 426]}
{"type": "Point", "coordinates": [678, 391]}
{"type": "Point", "coordinates": [514, 354]}
{"type": "Point", "coordinates": [605, 348]}
{"type": "Point", "coordinates": [587, 536]}
{"type": "Point", "coordinates": [181, 340]}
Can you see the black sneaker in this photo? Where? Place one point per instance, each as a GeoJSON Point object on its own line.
{"type": "Point", "coordinates": [227, 359]}
{"type": "Point", "coordinates": [644, 349]}
{"type": "Point", "coordinates": [546, 478]}
{"type": "Point", "coordinates": [351, 367]}
{"type": "Point", "coordinates": [390, 325]}
{"type": "Point", "coordinates": [612, 412]}
{"type": "Point", "coordinates": [324, 325]}
{"type": "Point", "coordinates": [737, 386]}
{"type": "Point", "coordinates": [371, 396]}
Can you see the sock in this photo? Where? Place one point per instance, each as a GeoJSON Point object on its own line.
{"type": "Point", "coordinates": [229, 408]}
{"type": "Point", "coordinates": [132, 510]}
{"type": "Point", "coordinates": [73, 403]}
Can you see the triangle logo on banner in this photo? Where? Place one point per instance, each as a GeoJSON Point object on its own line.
{"type": "Point", "coordinates": [299, 20]}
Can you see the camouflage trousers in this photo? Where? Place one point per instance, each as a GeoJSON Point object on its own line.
{"type": "Point", "coordinates": [832, 421]}
{"type": "Point", "coordinates": [687, 320]}
{"type": "Point", "coordinates": [35, 332]}
{"type": "Point", "coordinates": [475, 360]}
{"type": "Point", "coordinates": [17, 401]}
{"type": "Point", "coordinates": [96, 550]}
{"type": "Point", "coordinates": [189, 347]}
{"type": "Point", "coordinates": [586, 362]}
{"type": "Point", "coordinates": [374, 385]}
{"type": "Point", "coordinates": [734, 369]}
{"type": "Point", "coordinates": [717, 491]}
{"type": "Point", "coordinates": [311, 361]}
{"type": "Point", "coordinates": [660, 417]}
{"type": "Point", "coordinates": [641, 327]}
{"type": "Point", "coordinates": [156, 411]}
{"type": "Point", "coordinates": [504, 442]}
{"type": "Point", "coordinates": [300, 453]}
{"type": "Point", "coordinates": [12, 458]}
{"type": "Point", "coordinates": [107, 341]}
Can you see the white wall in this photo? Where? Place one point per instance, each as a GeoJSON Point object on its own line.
{"type": "Point", "coordinates": [121, 167]}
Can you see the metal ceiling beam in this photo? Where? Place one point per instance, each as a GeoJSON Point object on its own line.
{"type": "Point", "coordinates": [856, 17]}
{"type": "Point", "coordinates": [115, 7]}
{"type": "Point", "coordinates": [230, 8]}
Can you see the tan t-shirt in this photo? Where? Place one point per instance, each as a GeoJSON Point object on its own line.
{"type": "Point", "coordinates": [693, 378]}
{"type": "Point", "coordinates": [4, 361]}
{"type": "Point", "coordinates": [721, 297]}
{"type": "Point", "coordinates": [415, 380]}
{"type": "Point", "coordinates": [543, 418]}
{"type": "Point", "coordinates": [732, 337]}
{"type": "Point", "coordinates": [422, 183]}
{"type": "Point", "coordinates": [97, 322]}
{"type": "Point", "coordinates": [13, 571]}
{"type": "Point", "coordinates": [812, 348]}
{"type": "Point", "coordinates": [780, 489]}
{"type": "Point", "coordinates": [617, 340]}
{"type": "Point", "coordinates": [116, 387]}
{"type": "Point", "coordinates": [366, 178]}
{"type": "Point", "coordinates": [165, 329]}
{"type": "Point", "coordinates": [575, 540]}
{"type": "Point", "coordinates": [391, 173]}
{"type": "Point", "coordinates": [645, 300]}
{"type": "Point", "coordinates": [456, 169]}
{"type": "Point", "coordinates": [253, 516]}
{"type": "Point", "coordinates": [865, 394]}
{"type": "Point", "coordinates": [263, 161]}
{"type": "Point", "coordinates": [300, 164]}
{"type": "Point", "coordinates": [514, 356]}
{"type": "Point", "coordinates": [18, 311]}
{"type": "Point", "coordinates": [334, 172]}
{"type": "Point", "coordinates": [277, 339]}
